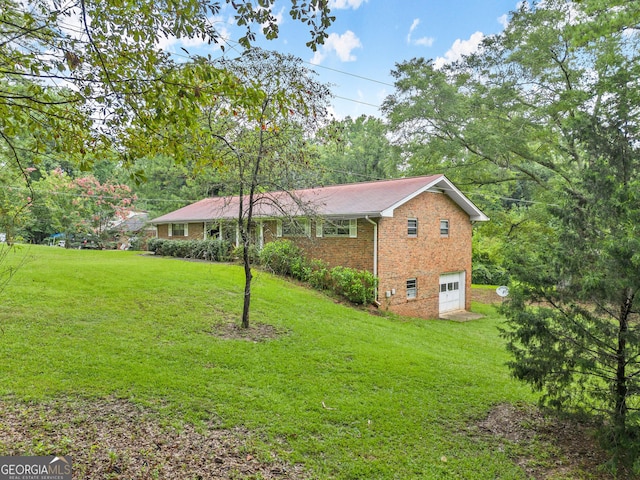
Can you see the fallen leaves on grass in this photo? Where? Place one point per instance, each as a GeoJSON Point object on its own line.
{"type": "Point", "coordinates": [257, 332]}
{"type": "Point", "coordinates": [573, 449]}
{"type": "Point", "coordinates": [114, 438]}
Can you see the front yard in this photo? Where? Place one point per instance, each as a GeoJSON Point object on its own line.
{"type": "Point", "coordinates": [128, 364]}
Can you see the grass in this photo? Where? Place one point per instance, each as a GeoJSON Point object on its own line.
{"type": "Point", "coordinates": [349, 394]}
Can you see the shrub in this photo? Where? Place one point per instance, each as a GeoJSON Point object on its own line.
{"type": "Point", "coordinates": [254, 254]}
{"type": "Point", "coordinates": [216, 250]}
{"type": "Point", "coordinates": [154, 244]}
{"type": "Point", "coordinates": [489, 274]}
{"type": "Point", "coordinates": [211, 249]}
{"type": "Point", "coordinates": [283, 258]}
{"type": "Point", "coordinates": [319, 276]}
{"type": "Point", "coordinates": [357, 286]}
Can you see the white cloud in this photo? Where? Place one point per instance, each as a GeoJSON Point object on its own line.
{"type": "Point", "coordinates": [414, 25]}
{"type": "Point", "coordinates": [423, 41]}
{"type": "Point", "coordinates": [342, 45]}
{"type": "Point", "coordinates": [280, 16]}
{"type": "Point", "coordinates": [504, 20]}
{"type": "Point", "coordinates": [459, 49]}
{"type": "Point", "coordinates": [344, 4]}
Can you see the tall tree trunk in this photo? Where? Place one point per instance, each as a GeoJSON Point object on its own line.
{"type": "Point", "coordinates": [246, 231]}
{"type": "Point", "coordinates": [621, 387]}
{"type": "Point", "coordinates": [247, 279]}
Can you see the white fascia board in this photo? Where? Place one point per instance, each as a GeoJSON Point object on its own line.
{"type": "Point", "coordinates": [442, 185]}
{"type": "Point", "coordinates": [167, 222]}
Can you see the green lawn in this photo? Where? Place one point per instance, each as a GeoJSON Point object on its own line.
{"type": "Point", "coordinates": [348, 394]}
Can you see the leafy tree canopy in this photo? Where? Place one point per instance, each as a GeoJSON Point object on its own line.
{"type": "Point", "coordinates": [74, 75]}
{"type": "Point", "coordinates": [549, 111]}
{"type": "Point", "coordinates": [355, 150]}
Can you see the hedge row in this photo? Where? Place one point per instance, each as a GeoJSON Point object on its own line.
{"type": "Point", "coordinates": [213, 250]}
{"type": "Point", "coordinates": [282, 258]}
{"type": "Point", "coordinates": [285, 258]}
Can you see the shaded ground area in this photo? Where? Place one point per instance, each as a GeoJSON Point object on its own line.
{"type": "Point", "coordinates": [257, 332]}
{"type": "Point", "coordinates": [118, 440]}
{"type": "Point", "coordinates": [544, 446]}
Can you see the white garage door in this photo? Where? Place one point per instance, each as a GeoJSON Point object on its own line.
{"type": "Point", "coordinates": [452, 291]}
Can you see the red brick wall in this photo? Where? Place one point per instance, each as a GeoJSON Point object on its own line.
{"type": "Point", "coordinates": [424, 257]}
{"type": "Point", "coordinates": [348, 252]}
{"type": "Point", "coordinates": [196, 232]}
{"type": "Point", "coordinates": [163, 231]}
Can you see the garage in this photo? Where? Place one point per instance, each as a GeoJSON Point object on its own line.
{"type": "Point", "coordinates": [452, 292]}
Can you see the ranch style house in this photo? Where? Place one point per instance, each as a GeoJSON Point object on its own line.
{"type": "Point", "coordinates": [414, 234]}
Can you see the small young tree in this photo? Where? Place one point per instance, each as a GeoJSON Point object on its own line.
{"type": "Point", "coordinates": [258, 140]}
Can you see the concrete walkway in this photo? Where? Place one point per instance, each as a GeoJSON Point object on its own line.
{"type": "Point", "coordinates": [460, 316]}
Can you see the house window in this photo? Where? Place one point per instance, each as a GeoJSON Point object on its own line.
{"type": "Point", "coordinates": [412, 288]}
{"type": "Point", "coordinates": [299, 227]}
{"type": "Point", "coordinates": [412, 227]}
{"type": "Point", "coordinates": [444, 228]}
{"type": "Point", "coordinates": [338, 228]}
{"type": "Point", "coordinates": [178, 230]}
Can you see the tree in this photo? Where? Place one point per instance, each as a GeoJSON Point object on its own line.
{"type": "Point", "coordinates": [168, 184]}
{"type": "Point", "coordinates": [81, 207]}
{"type": "Point", "coordinates": [74, 74]}
{"type": "Point", "coordinates": [544, 106]}
{"type": "Point", "coordinates": [15, 203]}
{"type": "Point", "coordinates": [257, 141]}
{"type": "Point", "coordinates": [353, 150]}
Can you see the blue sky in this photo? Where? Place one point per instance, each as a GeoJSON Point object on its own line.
{"type": "Point", "coordinates": [369, 37]}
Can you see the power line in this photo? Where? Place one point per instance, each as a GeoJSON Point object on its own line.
{"type": "Point", "coordinates": [357, 101]}
{"type": "Point", "coordinates": [351, 74]}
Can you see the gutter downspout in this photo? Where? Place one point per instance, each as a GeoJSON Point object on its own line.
{"type": "Point", "coordinates": [375, 252]}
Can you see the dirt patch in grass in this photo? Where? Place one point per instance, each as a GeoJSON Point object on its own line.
{"type": "Point", "coordinates": [547, 447]}
{"type": "Point", "coordinates": [257, 332]}
{"type": "Point", "coordinates": [486, 295]}
{"type": "Point", "coordinates": [116, 439]}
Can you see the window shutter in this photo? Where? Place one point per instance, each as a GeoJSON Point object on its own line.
{"type": "Point", "coordinates": [171, 230]}
{"type": "Point", "coordinates": [318, 228]}
{"type": "Point", "coordinates": [307, 227]}
{"type": "Point", "coordinates": [279, 228]}
{"type": "Point", "coordinates": [353, 228]}
{"type": "Point", "coordinates": [186, 229]}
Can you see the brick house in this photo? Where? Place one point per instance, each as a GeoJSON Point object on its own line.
{"type": "Point", "coordinates": [414, 234]}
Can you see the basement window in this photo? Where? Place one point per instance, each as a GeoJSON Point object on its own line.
{"type": "Point", "coordinates": [412, 227]}
{"type": "Point", "coordinates": [412, 288]}
{"type": "Point", "coordinates": [444, 228]}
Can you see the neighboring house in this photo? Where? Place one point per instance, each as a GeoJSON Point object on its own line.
{"type": "Point", "coordinates": [414, 234]}
{"type": "Point", "coordinates": [132, 229]}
